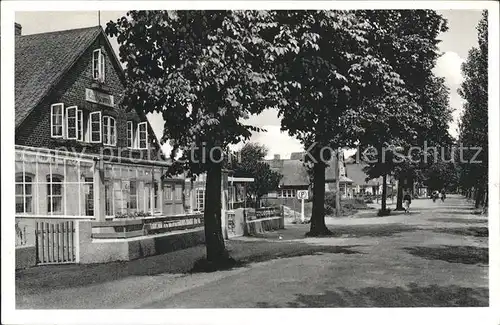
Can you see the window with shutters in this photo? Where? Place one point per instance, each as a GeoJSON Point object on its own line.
{"type": "Point", "coordinates": [56, 120]}
{"type": "Point", "coordinates": [72, 123]}
{"type": "Point", "coordinates": [109, 131]}
{"type": "Point", "coordinates": [143, 135]}
{"type": "Point", "coordinates": [80, 123]}
{"type": "Point", "coordinates": [95, 127]}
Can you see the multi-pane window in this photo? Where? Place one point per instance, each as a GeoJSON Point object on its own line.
{"type": "Point", "coordinates": [72, 122]}
{"type": "Point", "coordinates": [95, 127]}
{"type": "Point", "coordinates": [288, 193]}
{"type": "Point", "coordinates": [143, 135]}
{"type": "Point", "coordinates": [89, 196]}
{"type": "Point", "coordinates": [154, 193]}
{"type": "Point", "coordinates": [109, 131]}
{"type": "Point", "coordinates": [137, 135]}
{"type": "Point", "coordinates": [169, 194]}
{"type": "Point", "coordinates": [80, 125]}
{"type": "Point", "coordinates": [56, 120]}
{"type": "Point", "coordinates": [98, 68]}
{"type": "Point", "coordinates": [130, 134]}
{"type": "Point", "coordinates": [24, 193]}
{"type": "Point", "coordinates": [54, 194]}
{"type": "Point", "coordinates": [200, 199]}
{"type": "Point", "coordinates": [177, 192]}
{"type": "Point", "coordinates": [133, 195]}
{"type": "Point", "coordinates": [108, 197]}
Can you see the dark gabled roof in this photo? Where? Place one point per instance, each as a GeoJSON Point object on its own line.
{"type": "Point", "coordinates": [357, 174]}
{"type": "Point", "coordinates": [295, 173]}
{"type": "Point", "coordinates": [41, 60]}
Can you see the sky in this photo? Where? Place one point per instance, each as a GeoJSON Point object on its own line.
{"type": "Point", "coordinates": [455, 44]}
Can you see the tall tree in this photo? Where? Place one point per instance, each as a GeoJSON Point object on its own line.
{"type": "Point", "coordinates": [409, 43]}
{"type": "Point", "coordinates": [327, 79]}
{"type": "Point", "coordinates": [250, 163]}
{"type": "Point", "coordinates": [474, 121]}
{"type": "Point", "coordinates": [205, 72]}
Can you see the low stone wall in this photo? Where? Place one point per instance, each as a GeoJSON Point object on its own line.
{"type": "Point", "coordinates": [107, 250]}
{"type": "Point", "coordinates": [244, 223]}
{"type": "Point", "coordinates": [25, 257]}
{"type": "Point", "coordinates": [260, 226]}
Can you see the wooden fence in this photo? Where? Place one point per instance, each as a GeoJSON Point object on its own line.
{"type": "Point", "coordinates": [55, 243]}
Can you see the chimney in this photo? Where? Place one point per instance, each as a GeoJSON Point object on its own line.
{"type": "Point", "coordinates": [18, 29]}
{"type": "Point", "coordinates": [277, 157]}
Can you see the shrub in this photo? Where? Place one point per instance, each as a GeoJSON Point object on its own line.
{"type": "Point", "coordinates": [330, 199]}
{"type": "Point", "coordinates": [329, 210]}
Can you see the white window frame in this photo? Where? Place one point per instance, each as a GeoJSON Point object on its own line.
{"type": "Point", "coordinates": [75, 108]}
{"type": "Point", "coordinates": [52, 125]}
{"type": "Point", "coordinates": [98, 73]}
{"type": "Point", "coordinates": [91, 127]}
{"type": "Point", "coordinates": [177, 192]}
{"type": "Point", "coordinates": [131, 135]}
{"type": "Point", "coordinates": [133, 199]}
{"type": "Point", "coordinates": [24, 195]}
{"type": "Point", "coordinates": [108, 130]}
{"type": "Point", "coordinates": [200, 199]}
{"type": "Point", "coordinates": [51, 196]}
{"type": "Point", "coordinates": [168, 191]}
{"type": "Point", "coordinates": [145, 131]}
{"type": "Point", "coordinates": [153, 195]}
{"type": "Point", "coordinates": [80, 120]}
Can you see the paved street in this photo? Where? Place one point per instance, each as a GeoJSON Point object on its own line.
{"type": "Point", "coordinates": [435, 256]}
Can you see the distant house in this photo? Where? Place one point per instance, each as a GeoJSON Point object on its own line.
{"type": "Point", "coordinates": [360, 184]}
{"type": "Point", "coordinates": [295, 177]}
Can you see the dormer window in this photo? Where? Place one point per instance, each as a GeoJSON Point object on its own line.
{"type": "Point", "coordinates": [98, 68]}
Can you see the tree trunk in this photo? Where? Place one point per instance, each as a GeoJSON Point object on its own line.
{"type": "Point", "coordinates": [384, 192]}
{"type": "Point", "coordinates": [399, 201]}
{"type": "Point", "coordinates": [318, 227]}
{"type": "Point", "coordinates": [479, 197]}
{"type": "Point", "coordinates": [214, 241]}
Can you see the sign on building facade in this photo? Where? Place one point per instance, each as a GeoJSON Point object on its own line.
{"type": "Point", "coordinates": [98, 97]}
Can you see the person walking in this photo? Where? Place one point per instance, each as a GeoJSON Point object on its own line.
{"type": "Point", "coordinates": [443, 195]}
{"type": "Point", "coordinates": [407, 202]}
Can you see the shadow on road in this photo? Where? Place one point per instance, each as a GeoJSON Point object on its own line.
{"type": "Point", "coordinates": [344, 231]}
{"type": "Point", "coordinates": [452, 254]}
{"type": "Point", "coordinates": [459, 220]}
{"type": "Point", "coordinates": [46, 278]}
{"type": "Point", "coordinates": [245, 253]}
{"type": "Point", "coordinates": [413, 296]}
{"type": "Point", "coordinates": [384, 230]}
{"type": "Point", "coordinates": [470, 231]}
{"type": "Point", "coordinates": [461, 212]}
